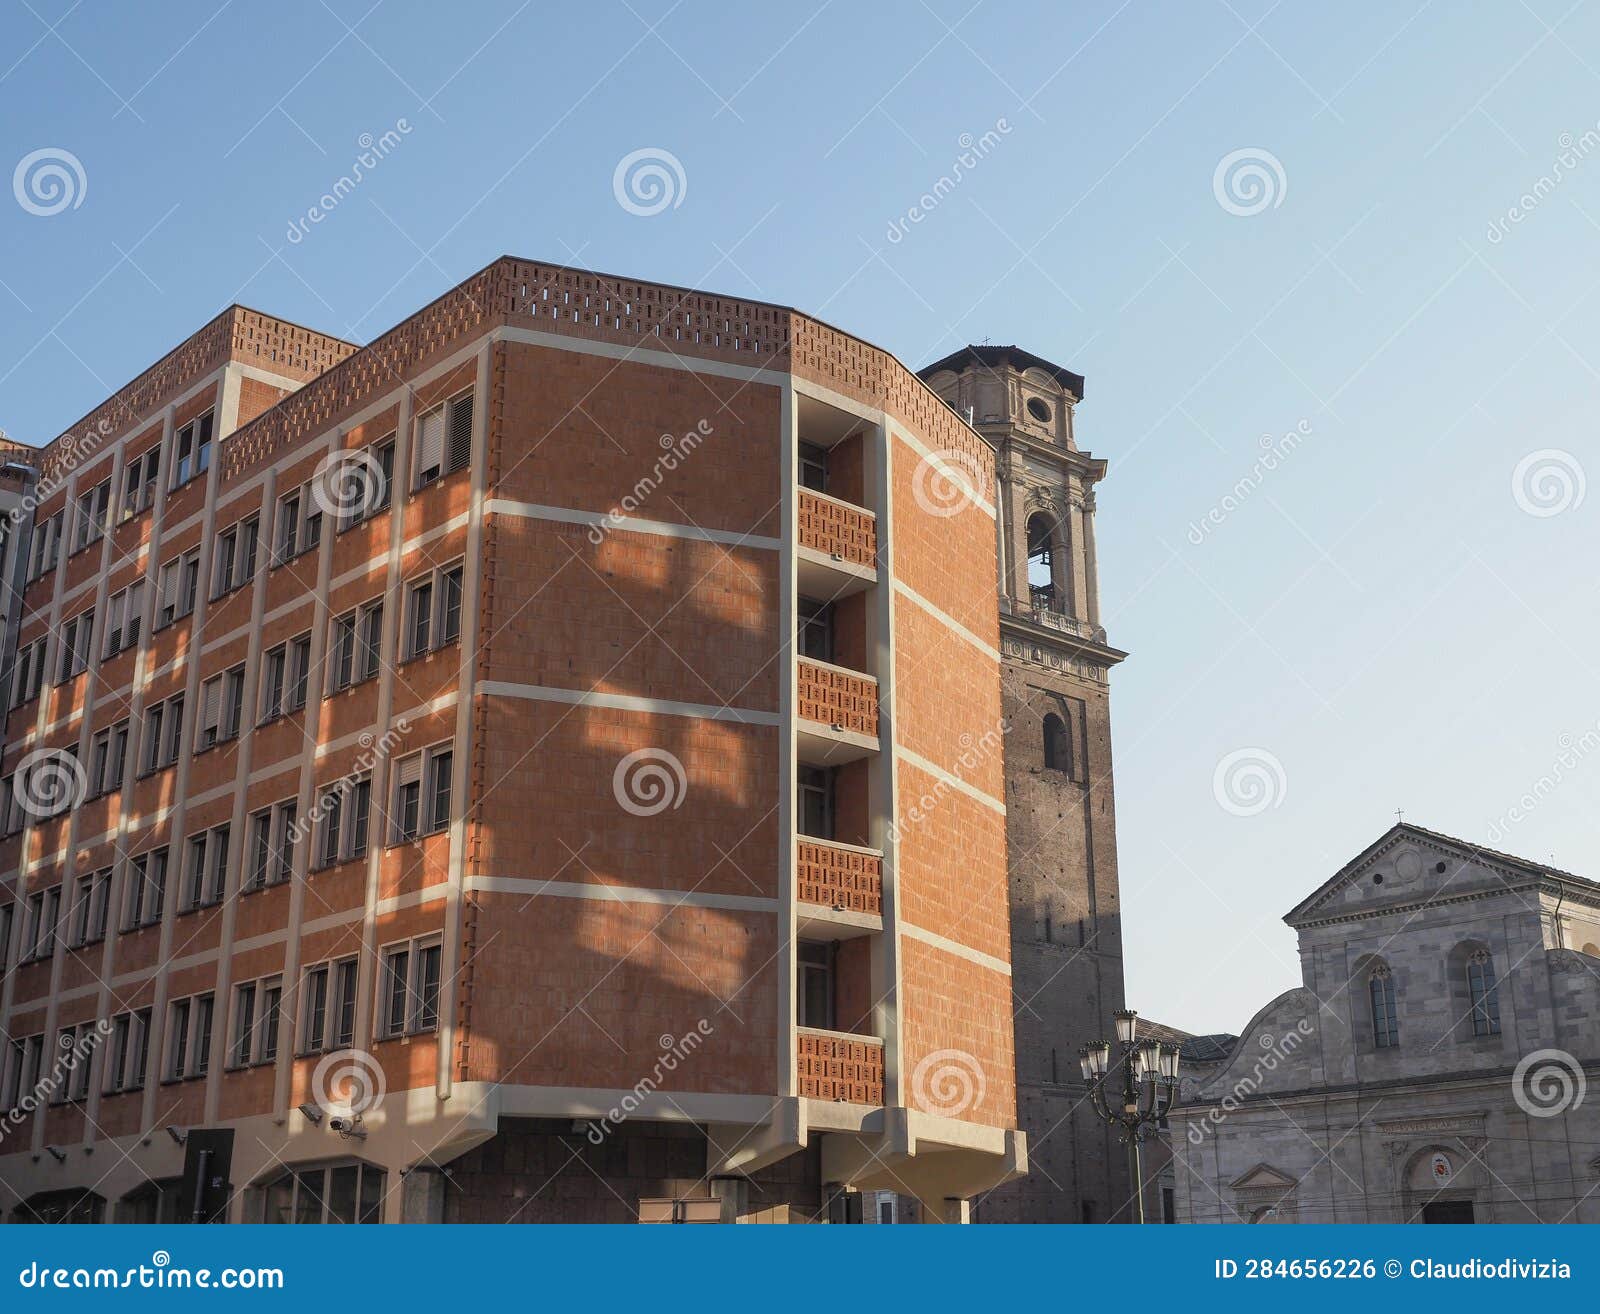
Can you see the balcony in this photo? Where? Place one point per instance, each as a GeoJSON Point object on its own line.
{"type": "Point", "coordinates": [837, 712]}
{"type": "Point", "coordinates": [839, 1067]}
{"type": "Point", "coordinates": [839, 889]}
{"type": "Point", "coordinates": [837, 553]}
{"type": "Point", "coordinates": [1046, 615]}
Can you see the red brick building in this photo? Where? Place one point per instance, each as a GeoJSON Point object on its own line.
{"type": "Point", "coordinates": [543, 764]}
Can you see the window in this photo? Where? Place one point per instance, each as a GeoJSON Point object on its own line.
{"type": "Point", "coordinates": [29, 676]}
{"type": "Point", "coordinates": [298, 527]}
{"type": "Point", "coordinates": [813, 467]}
{"type": "Point", "coordinates": [433, 611]}
{"type": "Point", "coordinates": [93, 516]}
{"type": "Point", "coordinates": [815, 626]}
{"type": "Point", "coordinates": [1057, 744]}
{"type": "Point", "coordinates": [285, 673]}
{"type": "Point", "coordinates": [1039, 410]}
{"type": "Point", "coordinates": [816, 788]}
{"type": "Point", "coordinates": [329, 1020]}
{"type": "Point", "coordinates": [147, 890]}
{"type": "Point", "coordinates": [43, 911]}
{"type": "Point", "coordinates": [221, 708]}
{"type": "Point", "coordinates": [205, 873]}
{"type": "Point", "coordinates": [273, 834]}
{"type": "Point", "coordinates": [124, 616]}
{"type": "Point", "coordinates": [90, 906]}
{"type": "Point", "coordinates": [443, 440]}
{"type": "Point", "coordinates": [44, 549]}
{"type": "Point", "coordinates": [163, 735]}
{"type": "Point", "coordinates": [23, 1069]}
{"type": "Point", "coordinates": [410, 989]}
{"type": "Point", "coordinates": [127, 1051]}
{"type": "Point", "coordinates": [345, 810]}
{"type": "Point", "coordinates": [1385, 1025]}
{"type": "Point", "coordinates": [139, 482]}
{"type": "Point", "coordinates": [422, 793]}
{"type": "Point", "coordinates": [74, 1053]}
{"type": "Point", "coordinates": [355, 646]}
{"type": "Point", "coordinates": [108, 759]}
{"type": "Point", "coordinates": [1041, 563]}
{"type": "Point", "coordinates": [815, 995]}
{"type": "Point", "coordinates": [342, 1193]}
{"type": "Point", "coordinates": [256, 1006]}
{"type": "Point", "coordinates": [191, 450]}
{"type": "Point", "coordinates": [235, 562]}
{"type": "Point", "coordinates": [1484, 993]}
{"type": "Point", "coordinates": [76, 636]}
{"type": "Point", "coordinates": [374, 472]}
{"type": "Point", "coordinates": [177, 585]}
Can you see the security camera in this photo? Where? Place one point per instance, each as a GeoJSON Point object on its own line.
{"type": "Point", "coordinates": [348, 1127]}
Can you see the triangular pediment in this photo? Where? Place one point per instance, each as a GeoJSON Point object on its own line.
{"type": "Point", "coordinates": [1409, 865]}
{"type": "Point", "coordinates": [1264, 1177]}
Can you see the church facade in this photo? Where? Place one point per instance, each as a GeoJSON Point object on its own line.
{"type": "Point", "coordinates": [1440, 1061]}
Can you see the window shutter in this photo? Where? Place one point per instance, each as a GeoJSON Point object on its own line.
{"type": "Point", "coordinates": [459, 449]}
{"type": "Point", "coordinates": [211, 712]}
{"type": "Point", "coordinates": [430, 442]}
{"type": "Point", "coordinates": [410, 771]}
{"type": "Point", "coordinates": [135, 615]}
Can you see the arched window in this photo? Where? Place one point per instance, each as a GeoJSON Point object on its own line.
{"type": "Point", "coordinates": [1041, 561]}
{"type": "Point", "coordinates": [1385, 1020]}
{"type": "Point", "coordinates": [1057, 744]}
{"type": "Point", "coordinates": [1484, 993]}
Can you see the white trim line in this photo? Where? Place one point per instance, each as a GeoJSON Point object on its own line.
{"type": "Point", "coordinates": [535, 888]}
{"type": "Point", "coordinates": [946, 619]}
{"type": "Point", "coordinates": [623, 702]}
{"type": "Point", "coordinates": [926, 453]}
{"type": "Point", "coordinates": [500, 506]}
{"type": "Point", "coordinates": [939, 773]}
{"type": "Point", "coordinates": [977, 956]}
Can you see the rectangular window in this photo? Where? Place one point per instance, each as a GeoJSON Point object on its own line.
{"type": "Point", "coordinates": [76, 636]}
{"type": "Point", "coordinates": [176, 587]}
{"type": "Point", "coordinates": [815, 993]}
{"type": "Point", "coordinates": [139, 482]}
{"type": "Point", "coordinates": [433, 611]}
{"type": "Point", "coordinates": [299, 671]}
{"type": "Point", "coordinates": [124, 617]}
{"type": "Point", "coordinates": [419, 628]}
{"type": "Point", "coordinates": [421, 801]}
{"type": "Point", "coordinates": [314, 1018]}
{"type": "Point", "coordinates": [344, 1002]}
{"type": "Point", "coordinates": [147, 890]}
{"type": "Point", "coordinates": [44, 548]}
{"type": "Point", "coordinates": [272, 845]}
{"type": "Point", "coordinates": [205, 1009]}
{"type": "Point", "coordinates": [443, 440]}
{"type": "Point", "coordinates": [94, 516]}
{"type": "Point", "coordinates": [43, 924]}
{"type": "Point", "coordinates": [274, 674]}
{"type": "Point", "coordinates": [244, 1025]}
{"type": "Point", "coordinates": [814, 622]}
{"type": "Point", "coordinates": [411, 988]}
{"type": "Point", "coordinates": [90, 907]}
{"type": "Point", "coordinates": [232, 702]}
{"type": "Point", "coordinates": [286, 533]}
{"type": "Point", "coordinates": [180, 1022]}
{"type": "Point", "coordinates": [813, 467]}
{"type": "Point", "coordinates": [192, 450]}
{"type": "Point", "coordinates": [128, 1052]}
{"type": "Point", "coordinates": [205, 879]}
{"type": "Point", "coordinates": [29, 677]}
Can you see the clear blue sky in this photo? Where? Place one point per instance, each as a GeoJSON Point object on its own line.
{"type": "Point", "coordinates": [1378, 613]}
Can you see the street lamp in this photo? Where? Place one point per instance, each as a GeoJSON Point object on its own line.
{"type": "Point", "coordinates": [1149, 1087]}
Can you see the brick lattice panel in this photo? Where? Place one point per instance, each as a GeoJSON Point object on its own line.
{"type": "Point", "coordinates": [836, 697]}
{"type": "Point", "coordinates": [841, 531]}
{"type": "Point", "coordinates": [839, 1068]}
{"type": "Point", "coordinates": [843, 879]}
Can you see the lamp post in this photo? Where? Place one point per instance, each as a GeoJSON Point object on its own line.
{"type": "Point", "coordinates": [1149, 1087]}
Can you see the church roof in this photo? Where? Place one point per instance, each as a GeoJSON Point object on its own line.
{"type": "Point", "coordinates": [993, 357]}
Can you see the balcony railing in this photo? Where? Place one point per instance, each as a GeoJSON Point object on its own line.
{"type": "Point", "coordinates": [834, 696]}
{"type": "Point", "coordinates": [838, 529]}
{"type": "Point", "coordinates": [839, 876]}
{"type": "Point", "coordinates": [836, 1066]}
{"type": "Point", "coordinates": [1051, 619]}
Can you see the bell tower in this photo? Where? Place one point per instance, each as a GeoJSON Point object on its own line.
{"type": "Point", "coordinates": [1066, 930]}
